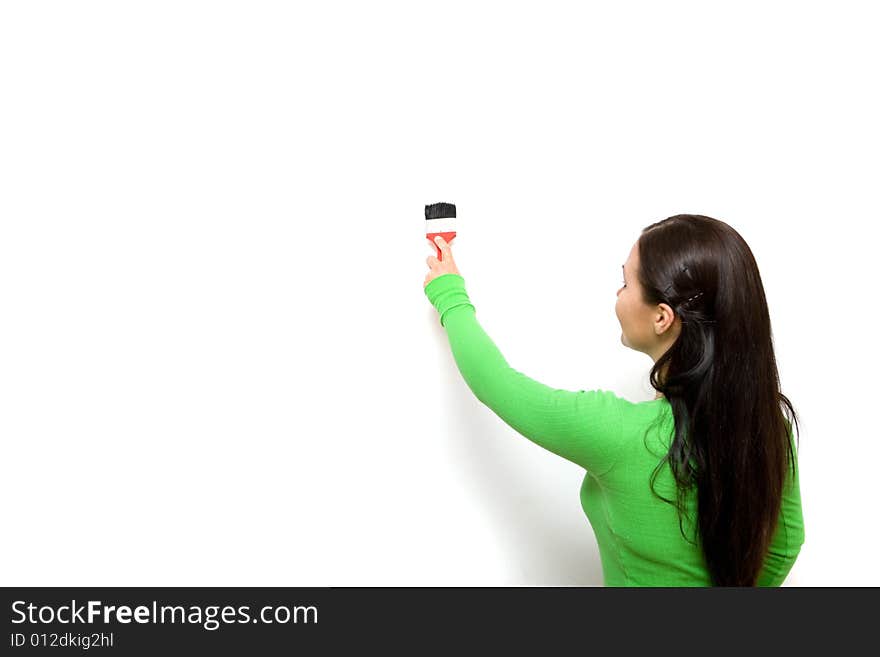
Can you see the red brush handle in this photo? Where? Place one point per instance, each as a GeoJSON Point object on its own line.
{"type": "Point", "coordinates": [448, 237]}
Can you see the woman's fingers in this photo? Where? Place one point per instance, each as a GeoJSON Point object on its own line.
{"type": "Point", "coordinates": [443, 265]}
{"type": "Point", "coordinates": [443, 245]}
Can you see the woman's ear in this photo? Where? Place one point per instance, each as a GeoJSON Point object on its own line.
{"type": "Point", "coordinates": [666, 319]}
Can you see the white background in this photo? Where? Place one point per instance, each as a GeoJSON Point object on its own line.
{"type": "Point", "coordinates": [217, 362]}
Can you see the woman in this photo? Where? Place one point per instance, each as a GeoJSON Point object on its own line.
{"type": "Point", "coordinates": [698, 487]}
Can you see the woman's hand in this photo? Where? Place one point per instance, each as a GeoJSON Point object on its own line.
{"type": "Point", "coordinates": [440, 267]}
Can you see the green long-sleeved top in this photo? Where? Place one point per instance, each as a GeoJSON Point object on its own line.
{"type": "Point", "coordinates": [638, 535]}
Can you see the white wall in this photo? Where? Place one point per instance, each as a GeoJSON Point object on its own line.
{"type": "Point", "coordinates": [217, 363]}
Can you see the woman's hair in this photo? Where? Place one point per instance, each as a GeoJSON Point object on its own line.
{"type": "Point", "coordinates": [731, 440]}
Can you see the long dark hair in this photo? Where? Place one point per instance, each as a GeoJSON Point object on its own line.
{"type": "Point", "coordinates": [731, 441]}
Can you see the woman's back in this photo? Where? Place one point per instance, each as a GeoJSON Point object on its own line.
{"type": "Point", "coordinates": [640, 540]}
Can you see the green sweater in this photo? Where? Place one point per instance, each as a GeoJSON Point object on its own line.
{"type": "Point", "coordinates": [638, 535]}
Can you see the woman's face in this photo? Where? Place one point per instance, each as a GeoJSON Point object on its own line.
{"type": "Point", "coordinates": [649, 329]}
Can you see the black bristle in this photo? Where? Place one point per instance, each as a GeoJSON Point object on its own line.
{"type": "Point", "coordinates": [440, 211]}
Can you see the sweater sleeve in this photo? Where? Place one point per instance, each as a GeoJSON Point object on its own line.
{"type": "Point", "coordinates": [582, 426]}
{"type": "Point", "coordinates": [789, 536]}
